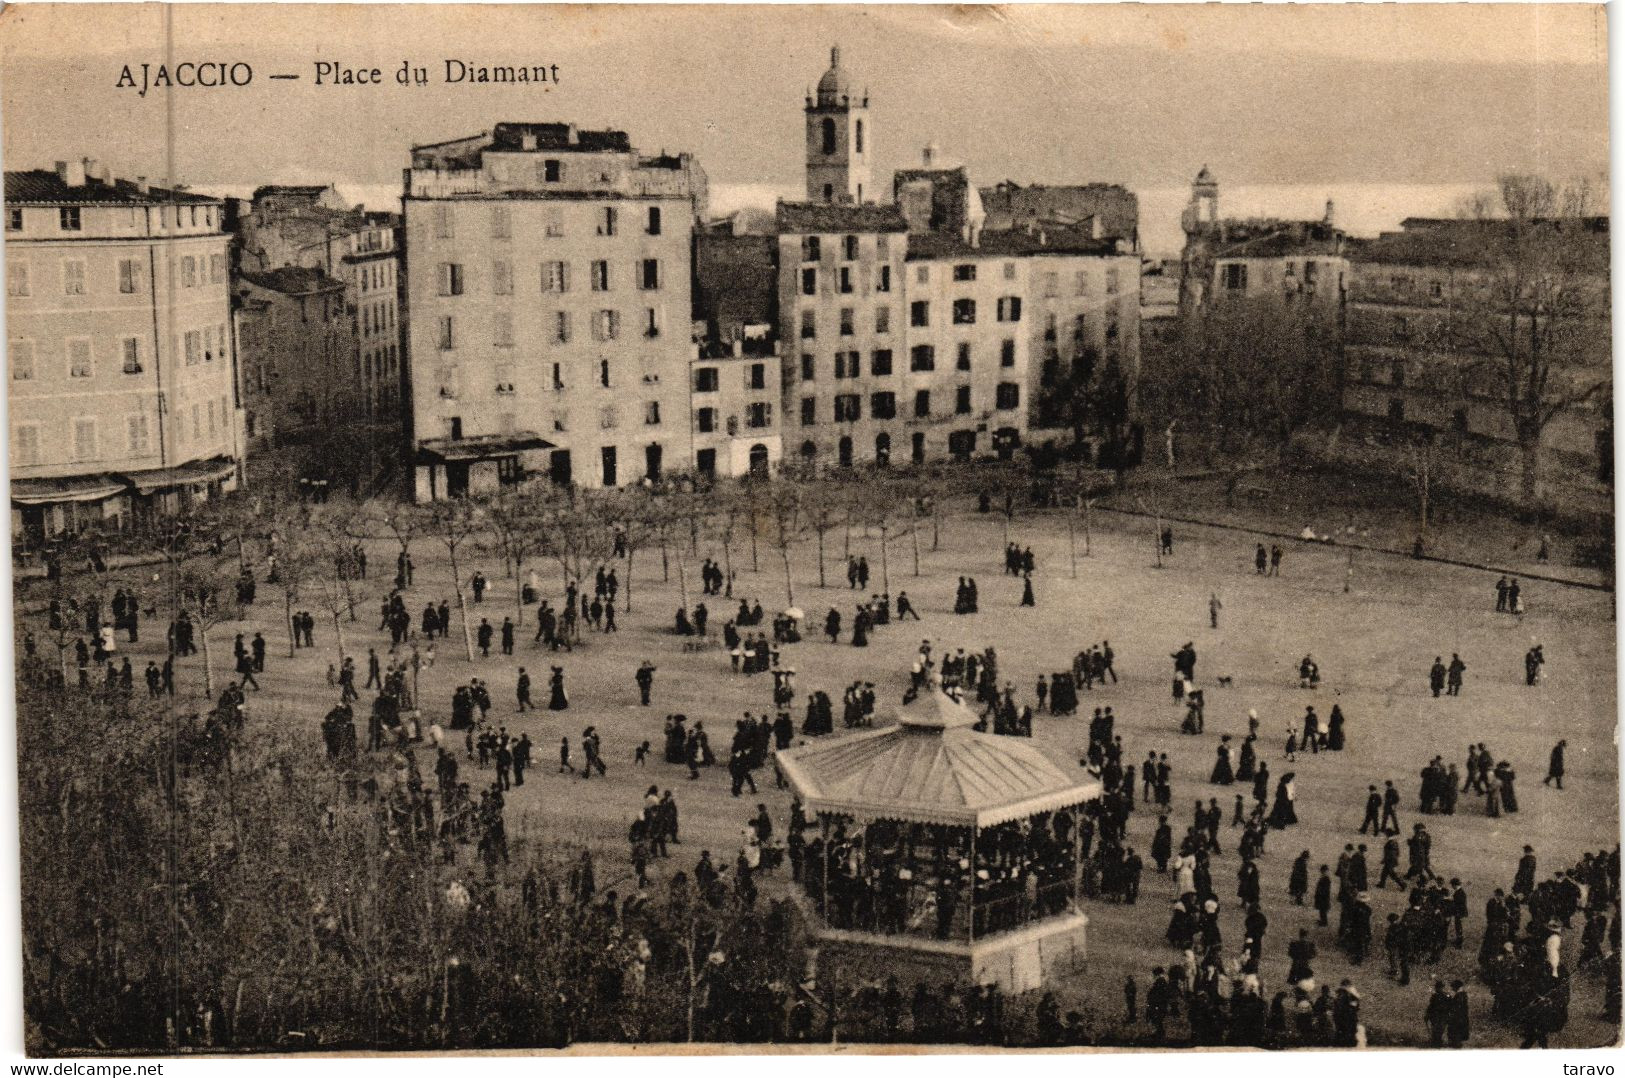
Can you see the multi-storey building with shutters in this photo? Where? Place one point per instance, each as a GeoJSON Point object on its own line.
{"type": "Point", "coordinates": [123, 385]}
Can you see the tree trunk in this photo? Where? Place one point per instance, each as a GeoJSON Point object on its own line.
{"type": "Point", "coordinates": [1072, 541]}
{"type": "Point", "coordinates": [728, 564]}
{"type": "Point", "coordinates": [789, 592]}
{"type": "Point", "coordinates": [916, 535]}
{"type": "Point", "coordinates": [208, 666]}
{"type": "Point", "coordinates": [629, 552]}
{"type": "Point", "coordinates": [518, 595]}
{"type": "Point", "coordinates": [885, 572]}
{"type": "Point", "coordinates": [665, 564]}
{"type": "Point", "coordinates": [821, 583]}
{"type": "Point", "coordinates": [338, 635]}
{"type": "Point", "coordinates": [1529, 478]}
{"type": "Point", "coordinates": [287, 609]}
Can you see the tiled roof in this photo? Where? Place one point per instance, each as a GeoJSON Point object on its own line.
{"type": "Point", "coordinates": [302, 190]}
{"type": "Point", "coordinates": [1469, 242]}
{"type": "Point", "coordinates": [1278, 239]}
{"type": "Point", "coordinates": [45, 186]}
{"type": "Point", "coordinates": [815, 217]}
{"type": "Point", "coordinates": [292, 280]}
{"type": "Point", "coordinates": [1016, 242]}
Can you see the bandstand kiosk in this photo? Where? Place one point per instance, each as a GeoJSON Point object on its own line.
{"type": "Point", "coordinates": [940, 853]}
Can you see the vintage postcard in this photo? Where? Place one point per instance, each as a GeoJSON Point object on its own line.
{"type": "Point", "coordinates": [794, 528]}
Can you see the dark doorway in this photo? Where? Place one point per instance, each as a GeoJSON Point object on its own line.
{"type": "Point", "coordinates": [608, 453]}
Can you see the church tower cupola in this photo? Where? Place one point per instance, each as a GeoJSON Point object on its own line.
{"type": "Point", "coordinates": [838, 139]}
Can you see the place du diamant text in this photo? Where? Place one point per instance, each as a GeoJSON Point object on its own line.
{"type": "Point", "coordinates": [226, 74]}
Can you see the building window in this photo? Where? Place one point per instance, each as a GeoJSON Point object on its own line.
{"type": "Point", "coordinates": [962, 400]}
{"type": "Point", "coordinates": [883, 281]}
{"type": "Point", "coordinates": [847, 322]}
{"type": "Point", "coordinates": [552, 171]}
{"type": "Point", "coordinates": [882, 319]}
{"type": "Point", "coordinates": [922, 357]}
{"type": "Point", "coordinates": [129, 276]}
{"type": "Point", "coordinates": [1007, 353]}
{"type": "Point", "coordinates": [857, 137]}
{"type": "Point", "coordinates": [606, 325]}
{"type": "Point", "coordinates": [555, 222]}
{"type": "Point", "coordinates": [607, 221]}
{"type": "Point", "coordinates": [809, 325]}
{"type": "Point", "coordinates": [651, 414]}
{"type": "Point", "coordinates": [603, 373]}
{"type": "Point", "coordinates": [843, 279]}
{"type": "Point", "coordinates": [810, 249]}
{"type": "Point", "coordinates": [502, 278]}
{"type": "Point", "coordinates": [555, 277]}
{"type": "Point", "coordinates": [653, 227]}
{"type": "Point", "coordinates": [17, 279]}
{"type": "Point", "coordinates": [1234, 276]}
{"type": "Point", "coordinates": [607, 418]}
{"type": "Point", "coordinates": [1112, 277]}
{"type": "Point", "coordinates": [756, 376]}
{"type": "Point", "coordinates": [758, 414]}
{"type": "Point", "coordinates": [502, 329]}
{"type": "Point", "coordinates": [25, 444]}
{"type": "Point", "coordinates": [1081, 283]}
{"type": "Point", "coordinates": [81, 365]}
{"type": "Point", "coordinates": [962, 361]}
{"type": "Point", "coordinates": [1009, 271]}
{"type": "Point", "coordinates": [84, 439]}
{"type": "Point", "coordinates": [809, 281]}
{"type": "Point", "coordinates": [880, 363]}
{"type": "Point", "coordinates": [68, 218]}
{"type": "Point", "coordinates": [448, 339]}
{"type": "Point", "coordinates": [14, 219]}
{"type": "Point", "coordinates": [849, 248]}
{"type": "Point", "coordinates": [848, 407]}
{"type": "Point", "coordinates": [442, 222]}
{"type": "Point", "coordinates": [501, 228]}
{"type": "Point", "coordinates": [1402, 328]}
{"type": "Point", "coordinates": [705, 420]}
{"type": "Point", "coordinates": [451, 279]}
{"type": "Point", "coordinates": [22, 361]}
{"type": "Point", "coordinates": [1009, 396]}
{"type": "Point", "coordinates": [217, 269]}
{"type": "Point", "coordinates": [73, 277]}
{"type": "Point", "coordinates": [847, 364]}
{"type": "Point", "coordinates": [964, 312]}
{"type": "Point", "coordinates": [922, 274]}
{"type": "Point", "coordinates": [883, 405]}
{"type": "Point", "coordinates": [1009, 309]}
{"type": "Point", "coordinates": [808, 367]}
{"type": "Point", "coordinates": [919, 313]}
{"type": "Point", "coordinates": [132, 355]}
{"type": "Point", "coordinates": [965, 271]}
{"type": "Point", "coordinates": [600, 276]}
{"type": "Point", "coordinates": [809, 411]}
{"type": "Point", "coordinates": [1396, 374]}
{"type": "Point", "coordinates": [705, 380]}
{"type": "Point", "coordinates": [827, 131]}
{"type": "Point", "coordinates": [651, 274]}
{"type": "Point", "coordinates": [561, 327]}
{"type": "Point", "coordinates": [922, 403]}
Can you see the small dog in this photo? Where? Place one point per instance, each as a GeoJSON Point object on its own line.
{"type": "Point", "coordinates": [1226, 682]}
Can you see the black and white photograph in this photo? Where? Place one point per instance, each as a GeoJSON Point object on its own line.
{"type": "Point", "coordinates": [795, 530]}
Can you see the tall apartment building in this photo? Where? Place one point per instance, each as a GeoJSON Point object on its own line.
{"type": "Point", "coordinates": [1423, 306]}
{"type": "Point", "coordinates": [313, 227]}
{"type": "Point", "coordinates": [294, 341]}
{"type": "Point", "coordinates": [124, 394]}
{"type": "Point", "coordinates": [548, 276]}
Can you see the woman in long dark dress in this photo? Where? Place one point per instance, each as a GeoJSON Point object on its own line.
{"type": "Point", "coordinates": [832, 625]}
{"type": "Point", "coordinates": [557, 700]}
{"type": "Point", "coordinates": [1249, 760]}
{"type": "Point", "coordinates": [1334, 730]}
{"type": "Point", "coordinates": [860, 629]}
{"type": "Point", "coordinates": [1027, 593]}
{"type": "Point", "coordinates": [1223, 774]}
{"type": "Point", "coordinates": [1284, 814]}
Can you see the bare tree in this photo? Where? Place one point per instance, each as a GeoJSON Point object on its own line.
{"type": "Point", "coordinates": [513, 516]}
{"type": "Point", "coordinates": [1532, 316]}
{"type": "Point", "coordinates": [782, 506]}
{"type": "Point", "coordinates": [456, 524]}
{"type": "Point", "coordinates": [199, 589]}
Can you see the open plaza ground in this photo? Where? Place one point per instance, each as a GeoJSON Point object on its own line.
{"type": "Point", "coordinates": [1374, 643]}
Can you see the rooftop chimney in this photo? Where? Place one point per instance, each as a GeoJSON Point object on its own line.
{"type": "Point", "coordinates": [93, 169]}
{"type": "Point", "coordinates": [71, 173]}
{"type": "Point", "coordinates": [1331, 214]}
{"type": "Point", "coordinates": [575, 135]}
{"type": "Point", "coordinates": [141, 184]}
{"type": "Point", "coordinates": [930, 155]}
{"type": "Point", "coordinates": [835, 56]}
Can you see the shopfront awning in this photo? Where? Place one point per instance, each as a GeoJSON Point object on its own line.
{"type": "Point", "coordinates": [484, 447]}
{"type": "Point", "coordinates": [189, 474]}
{"type": "Point", "coordinates": [78, 488]}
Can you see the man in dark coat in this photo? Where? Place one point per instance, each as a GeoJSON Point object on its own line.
{"type": "Point", "coordinates": [1459, 1026]}
{"type": "Point", "coordinates": [1554, 769]}
{"type": "Point", "coordinates": [1436, 676]}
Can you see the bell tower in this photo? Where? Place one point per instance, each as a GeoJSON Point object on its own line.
{"type": "Point", "coordinates": [838, 140]}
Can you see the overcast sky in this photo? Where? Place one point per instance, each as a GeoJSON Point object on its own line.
{"type": "Point", "coordinates": [1141, 95]}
